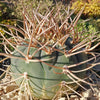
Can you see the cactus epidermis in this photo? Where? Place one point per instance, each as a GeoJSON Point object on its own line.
{"type": "Point", "coordinates": [43, 79]}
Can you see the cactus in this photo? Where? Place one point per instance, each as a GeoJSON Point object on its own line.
{"type": "Point", "coordinates": [48, 57]}
{"type": "Point", "coordinates": [42, 77]}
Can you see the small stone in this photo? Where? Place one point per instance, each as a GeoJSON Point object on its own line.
{"type": "Point", "coordinates": [92, 98]}
{"type": "Point", "coordinates": [83, 98]}
{"type": "Point", "coordinates": [11, 95]}
{"type": "Point", "coordinates": [23, 97]}
{"type": "Point", "coordinates": [4, 98]}
{"type": "Point", "coordinates": [87, 93]}
{"type": "Point", "coordinates": [1, 87]}
{"type": "Point", "coordinates": [10, 88]}
{"type": "Point", "coordinates": [73, 96]}
{"type": "Point", "coordinates": [62, 98]}
{"type": "Point", "coordinates": [99, 95]}
{"type": "Point", "coordinates": [15, 98]}
{"type": "Point", "coordinates": [1, 92]}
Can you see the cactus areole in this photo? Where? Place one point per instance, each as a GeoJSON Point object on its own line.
{"type": "Point", "coordinates": [44, 80]}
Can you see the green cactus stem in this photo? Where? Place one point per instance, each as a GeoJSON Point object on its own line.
{"type": "Point", "coordinates": [44, 80]}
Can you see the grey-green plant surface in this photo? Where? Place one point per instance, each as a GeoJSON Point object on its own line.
{"type": "Point", "coordinates": [48, 60]}
{"type": "Point", "coordinates": [43, 78]}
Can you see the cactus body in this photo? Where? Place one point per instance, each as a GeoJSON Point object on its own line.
{"type": "Point", "coordinates": [44, 80]}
